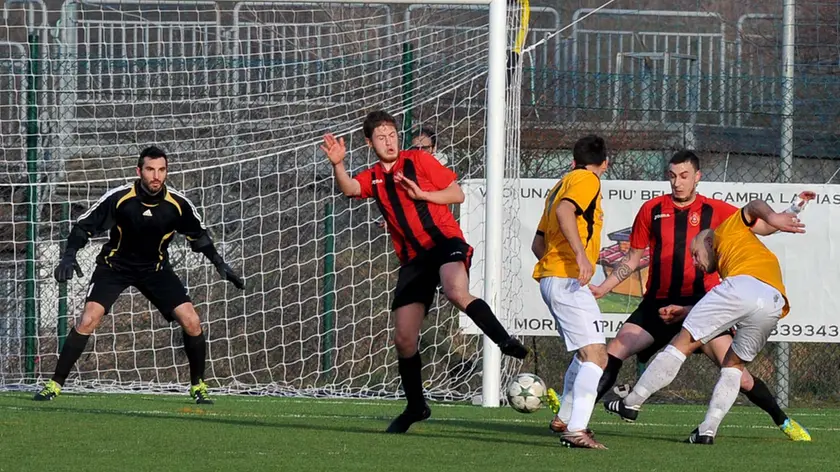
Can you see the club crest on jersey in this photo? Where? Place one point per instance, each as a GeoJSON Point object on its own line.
{"type": "Point", "coordinates": [694, 219]}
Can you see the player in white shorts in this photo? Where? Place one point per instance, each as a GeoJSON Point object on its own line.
{"type": "Point", "coordinates": [751, 296]}
{"type": "Point", "coordinates": [567, 244]}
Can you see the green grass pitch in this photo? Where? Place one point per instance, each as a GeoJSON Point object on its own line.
{"type": "Point", "coordinates": [164, 432]}
{"type": "Point", "coordinates": [615, 303]}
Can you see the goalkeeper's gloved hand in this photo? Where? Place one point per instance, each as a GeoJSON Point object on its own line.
{"type": "Point", "coordinates": [66, 266]}
{"type": "Point", "coordinates": [227, 273]}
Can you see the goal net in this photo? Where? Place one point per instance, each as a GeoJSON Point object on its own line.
{"type": "Point", "coordinates": [240, 99]}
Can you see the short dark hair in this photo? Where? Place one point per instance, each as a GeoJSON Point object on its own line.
{"type": "Point", "coordinates": [152, 152]}
{"type": "Point", "coordinates": [686, 156]}
{"type": "Point", "coordinates": [589, 150]}
{"type": "Point", "coordinates": [430, 133]}
{"type": "Point", "coordinates": [375, 119]}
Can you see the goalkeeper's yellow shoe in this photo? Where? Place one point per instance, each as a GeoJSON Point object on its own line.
{"type": "Point", "coordinates": [795, 431]}
{"type": "Point", "coordinates": [51, 390]}
{"type": "Point", "coordinates": [199, 393]}
{"type": "Point", "coordinates": [552, 400]}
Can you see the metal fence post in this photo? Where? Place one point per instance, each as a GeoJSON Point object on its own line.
{"type": "Point", "coordinates": [786, 164]}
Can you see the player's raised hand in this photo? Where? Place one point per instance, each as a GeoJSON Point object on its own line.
{"type": "Point", "coordinates": [411, 188]}
{"type": "Point", "coordinates": [66, 266]}
{"type": "Point", "coordinates": [334, 149]}
{"type": "Point", "coordinates": [586, 269]}
{"type": "Point", "coordinates": [787, 222]}
{"type": "Point", "coordinates": [672, 313]}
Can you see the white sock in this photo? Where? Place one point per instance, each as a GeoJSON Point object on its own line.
{"type": "Point", "coordinates": [568, 384]}
{"type": "Point", "coordinates": [585, 390]}
{"type": "Point", "coordinates": [661, 372]}
{"type": "Point", "coordinates": [724, 396]}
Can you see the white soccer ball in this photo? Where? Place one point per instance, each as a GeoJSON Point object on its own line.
{"type": "Point", "coordinates": [525, 392]}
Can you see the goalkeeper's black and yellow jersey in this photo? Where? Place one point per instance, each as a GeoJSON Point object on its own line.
{"type": "Point", "coordinates": [141, 227]}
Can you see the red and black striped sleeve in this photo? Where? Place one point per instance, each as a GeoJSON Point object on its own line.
{"type": "Point", "coordinates": [365, 179]}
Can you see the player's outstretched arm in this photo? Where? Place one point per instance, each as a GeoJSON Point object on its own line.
{"type": "Point", "coordinates": [760, 210]}
{"type": "Point", "coordinates": [336, 150]}
{"type": "Point", "coordinates": [762, 228]}
{"type": "Point", "coordinates": [628, 264]}
{"type": "Point", "coordinates": [566, 218]}
{"type": "Point", "coordinates": [448, 196]}
{"type": "Point", "coordinates": [98, 218]}
{"type": "Point", "coordinates": [196, 233]}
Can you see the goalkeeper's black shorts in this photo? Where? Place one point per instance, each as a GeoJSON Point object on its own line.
{"type": "Point", "coordinates": [162, 288]}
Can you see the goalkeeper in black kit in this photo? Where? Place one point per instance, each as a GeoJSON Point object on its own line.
{"type": "Point", "coordinates": [142, 217]}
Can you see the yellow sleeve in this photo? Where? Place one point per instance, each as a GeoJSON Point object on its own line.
{"type": "Point", "coordinates": [581, 189]}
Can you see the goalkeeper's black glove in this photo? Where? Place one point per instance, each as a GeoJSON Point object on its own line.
{"type": "Point", "coordinates": [66, 266]}
{"type": "Point", "coordinates": [226, 272]}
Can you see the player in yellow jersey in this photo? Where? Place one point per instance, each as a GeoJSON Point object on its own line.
{"type": "Point", "coordinates": [751, 295]}
{"type": "Point", "coordinates": [567, 244]}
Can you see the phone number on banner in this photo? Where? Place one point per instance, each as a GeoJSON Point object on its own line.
{"type": "Point", "coordinates": [807, 330]}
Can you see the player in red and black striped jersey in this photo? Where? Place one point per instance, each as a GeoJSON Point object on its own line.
{"type": "Point", "coordinates": [667, 225]}
{"type": "Point", "coordinates": [413, 191]}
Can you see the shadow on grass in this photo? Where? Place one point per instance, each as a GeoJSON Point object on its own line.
{"type": "Point", "coordinates": [526, 434]}
{"type": "Point", "coordinates": [304, 422]}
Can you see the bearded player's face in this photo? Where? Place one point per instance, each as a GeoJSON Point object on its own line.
{"type": "Point", "coordinates": [684, 179]}
{"type": "Point", "coordinates": [153, 174]}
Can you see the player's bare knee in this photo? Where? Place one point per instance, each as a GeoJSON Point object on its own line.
{"type": "Point", "coordinates": [594, 353]}
{"type": "Point", "coordinates": [685, 343]}
{"type": "Point", "coordinates": [716, 349]}
{"type": "Point", "coordinates": [190, 324]}
{"type": "Point", "coordinates": [616, 349]}
{"type": "Point", "coordinates": [91, 317]}
{"type": "Point", "coordinates": [188, 319]}
{"type": "Point", "coordinates": [458, 296]}
{"type": "Point", "coordinates": [747, 381]}
{"type": "Point", "coordinates": [86, 326]}
{"type": "Point", "coordinates": [406, 344]}
{"type": "Point", "coordinates": [631, 339]}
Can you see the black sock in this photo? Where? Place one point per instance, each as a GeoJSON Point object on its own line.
{"type": "Point", "coordinates": [609, 376]}
{"type": "Point", "coordinates": [73, 348]}
{"type": "Point", "coordinates": [196, 349]}
{"type": "Point", "coordinates": [481, 314]}
{"type": "Point", "coordinates": [760, 395]}
{"type": "Point", "coordinates": [412, 381]}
